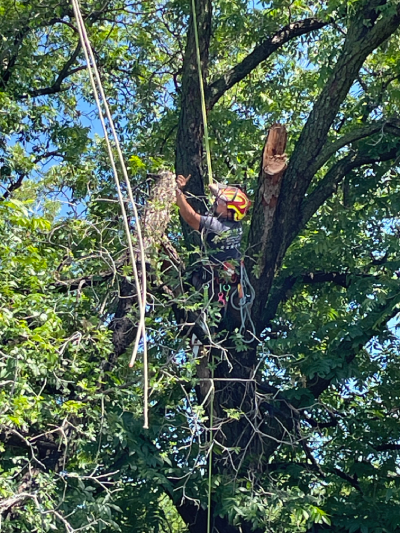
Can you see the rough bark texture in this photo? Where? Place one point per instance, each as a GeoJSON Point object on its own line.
{"type": "Point", "coordinates": [269, 185]}
{"type": "Point", "coordinates": [154, 223]}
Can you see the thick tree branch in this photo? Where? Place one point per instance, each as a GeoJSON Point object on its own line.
{"type": "Point", "coordinates": [154, 222]}
{"type": "Point", "coordinates": [273, 166]}
{"type": "Point", "coordinates": [364, 35]}
{"type": "Point", "coordinates": [312, 202]}
{"type": "Point", "coordinates": [189, 148]}
{"type": "Point", "coordinates": [262, 52]}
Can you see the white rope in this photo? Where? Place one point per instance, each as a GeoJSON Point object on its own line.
{"type": "Point", "coordinates": [141, 291]}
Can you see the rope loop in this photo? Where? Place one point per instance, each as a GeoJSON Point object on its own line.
{"type": "Point", "coordinates": [100, 98]}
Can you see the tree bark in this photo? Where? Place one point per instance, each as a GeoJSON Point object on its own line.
{"type": "Point", "coordinates": [269, 185]}
{"type": "Point", "coordinates": [264, 415]}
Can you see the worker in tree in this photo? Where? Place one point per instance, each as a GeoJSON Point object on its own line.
{"type": "Point", "coordinates": [221, 229]}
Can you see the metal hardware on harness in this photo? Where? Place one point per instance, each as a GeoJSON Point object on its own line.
{"type": "Point", "coordinates": [223, 295]}
{"type": "Point", "coordinates": [221, 299]}
{"type": "Point", "coordinates": [230, 272]}
{"type": "Point", "coordinates": [205, 297]}
{"type": "Point", "coordinates": [229, 269]}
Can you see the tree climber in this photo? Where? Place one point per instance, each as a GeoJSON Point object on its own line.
{"type": "Point", "coordinates": [221, 229]}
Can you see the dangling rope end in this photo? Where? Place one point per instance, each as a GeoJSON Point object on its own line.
{"type": "Point", "coordinates": [100, 96]}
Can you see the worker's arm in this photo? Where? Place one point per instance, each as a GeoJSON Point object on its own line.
{"type": "Point", "coordinates": [187, 212]}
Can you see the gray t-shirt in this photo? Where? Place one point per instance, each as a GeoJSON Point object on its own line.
{"type": "Point", "coordinates": [223, 236]}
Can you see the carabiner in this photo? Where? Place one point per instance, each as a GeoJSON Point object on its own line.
{"type": "Point", "coordinates": [221, 299]}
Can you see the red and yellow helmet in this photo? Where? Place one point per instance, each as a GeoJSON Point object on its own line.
{"type": "Point", "coordinates": [236, 200]}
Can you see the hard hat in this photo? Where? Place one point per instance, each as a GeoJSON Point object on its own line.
{"type": "Point", "coordinates": [235, 199]}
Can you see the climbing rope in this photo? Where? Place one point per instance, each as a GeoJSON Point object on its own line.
{"type": "Point", "coordinates": [210, 452]}
{"type": "Point", "coordinates": [210, 182]}
{"type": "Point", "coordinates": [100, 98]}
{"type": "Point", "coordinates": [203, 100]}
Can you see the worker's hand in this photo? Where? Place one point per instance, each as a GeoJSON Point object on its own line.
{"type": "Point", "coordinates": [179, 195]}
{"type": "Point", "coordinates": [181, 181]}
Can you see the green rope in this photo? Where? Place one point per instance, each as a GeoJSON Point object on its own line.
{"type": "Point", "coordinates": [210, 181]}
{"type": "Point", "coordinates": [211, 448]}
{"type": "Point", "coordinates": [203, 100]}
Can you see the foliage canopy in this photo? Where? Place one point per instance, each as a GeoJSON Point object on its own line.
{"type": "Point", "coordinates": [307, 416]}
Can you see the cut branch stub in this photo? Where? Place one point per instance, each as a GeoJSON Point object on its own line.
{"type": "Point", "coordinates": [276, 141]}
{"type": "Point", "coordinates": [273, 168]}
